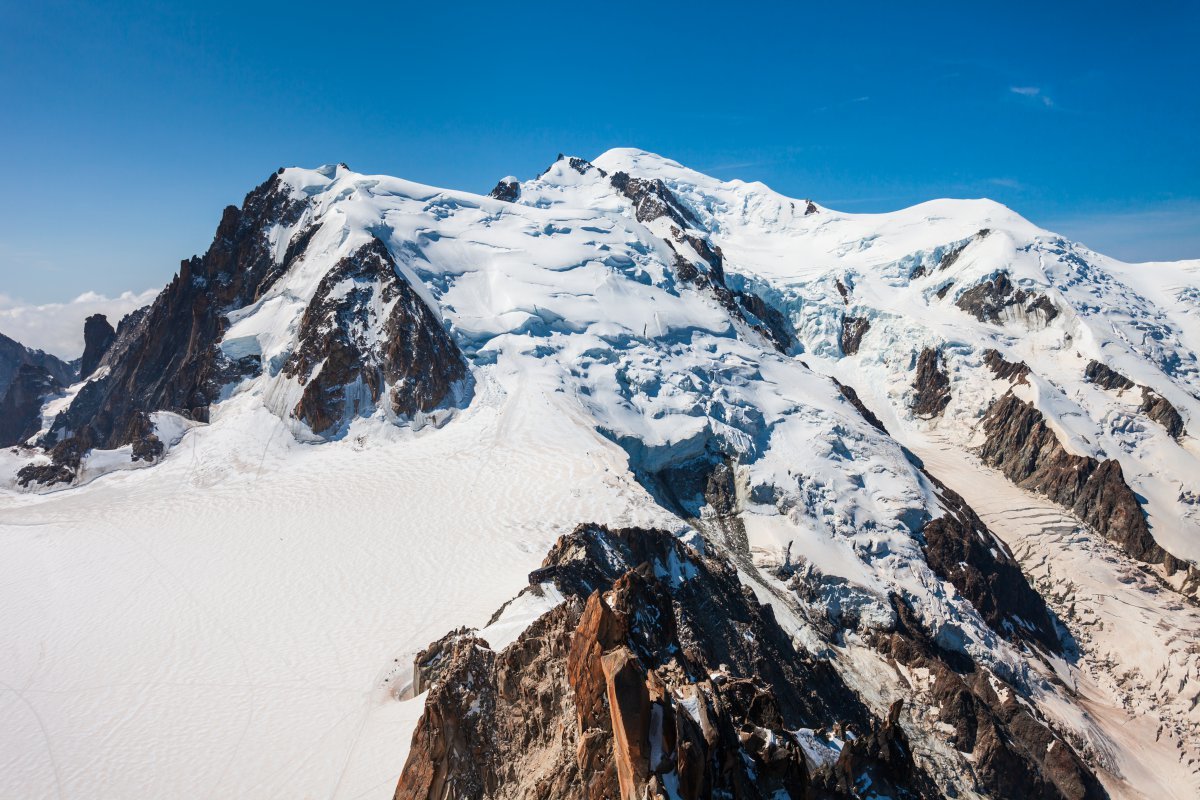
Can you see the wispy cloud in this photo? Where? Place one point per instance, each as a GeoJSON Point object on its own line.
{"type": "Point", "coordinates": [1033, 93]}
{"type": "Point", "coordinates": [1006, 183]}
{"type": "Point", "coordinates": [58, 327]}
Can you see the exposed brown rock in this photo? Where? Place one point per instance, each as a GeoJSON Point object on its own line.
{"type": "Point", "coordinates": [959, 548]}
{"type": "Point", "coordinates": [1013, 753]}
{"type": "Point", "coordinates": [338, 351]}
{"type": "Point", "coordinates": [669, 674]}
{"type": "Point", "coordinates": [1022, 446]}
{"type": "Point", "coordinates": [1105, 377]}
{"type": "Point", "coordinates": [931, 385]}
{"type": "Point", "coordinates": [767, 320]}
{"type": "Point", "coordinates": [1006, 370]}
{"type": "Point", "coordinates": [991, 300]}
{"type": "Point", "coordinates": [1159, 409]}
{"type": "Point", "coordinates": [169, 355]}
{"type": "Point", "coordinates": [853, 331]}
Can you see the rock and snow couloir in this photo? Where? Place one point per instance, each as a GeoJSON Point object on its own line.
{"type": "Point", "coordinates": [801, 410]}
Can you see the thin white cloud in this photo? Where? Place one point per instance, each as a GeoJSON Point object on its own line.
{"type": "Point", "coordinates": [1007, 183]}
{"type": "Point", "coordinates": [1034, 93]}
{"type": "Point", "coordinates": [58, 327]}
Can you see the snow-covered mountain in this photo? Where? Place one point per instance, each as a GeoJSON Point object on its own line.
{"type": "Point", "coordinates": [764, 497]}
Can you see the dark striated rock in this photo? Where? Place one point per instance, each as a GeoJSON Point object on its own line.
{"type": "Point", "coordinates": [98, 336]}
{"type": "Point", "coordinates": [344, 369]}
{"type": "Point", "coordinates": [843, 291]}
{"type": "Point", "coordinates": [852, 396]}
{"type": "Point", "coordinates": [1021, 445]}
{"type": "Point", "coordinates": [507, 190]}
{"type": "Point", "coordinates": [960, 549]}
{"type": "Point", "coordinates": [653, 200]}
{"type": "Point", "coordinates": [931, 385]}
{"type": "Point", "coordinates": [1012, 752]}
{"type": "Point", "coordinates": [990, 300]}
{"type": "Point", "coordinates": [1159, 409]}
{"type": "Point", "coordinates": [669, 679]}
{"type": "Point", "coordinates": [20, 409]}
{"type": "Point", "coordinates": [1105, 377]}
{"type": "Point", "coordinates": [1006, 370]}
{"type": "Point", "coordinates": [767, 320]}
{"type": "Point", "coordinates": [810, 208]}
{"type": "Point", "coordinates": [853, 331]}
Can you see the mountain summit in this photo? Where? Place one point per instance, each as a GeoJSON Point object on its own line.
{"type": "Point", "coordinates": [627, 481]}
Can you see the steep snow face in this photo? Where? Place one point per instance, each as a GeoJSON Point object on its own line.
{"type": "Point", "coordinates": [605, 351]}
{"type": "Point", "coordinates": [913, 277]}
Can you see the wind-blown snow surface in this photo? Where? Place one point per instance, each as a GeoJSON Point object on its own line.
{"type": "Point", "coordinates": [239, 620]}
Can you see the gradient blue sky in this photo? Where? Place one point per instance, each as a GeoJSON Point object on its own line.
{"type": "Point", "coordinates": [128, 126]}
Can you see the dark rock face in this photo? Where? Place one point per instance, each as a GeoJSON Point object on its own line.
{"type": "Point", "coordinates": [652, 200]}
{"type": "Point", "coordinates": [509, 191]}
{"type": "Point", "coordinates": [959, 548]}
{"type": "Point", "coordinates": [810, 208]}
{"type": "Point", "coordinates": [1153, 405]}
{"type": "Point", "coordinates": [1013, 753]}
{"type": "Point", "coordinates": [1159, 409]}
{"type": "Point", "coordinates": [853, 331]}
{"type": "Point", "coordinates": [98, 335]}
{"type": "Point", "coordinates": [990, 300]}
{"type": "Point", "coordinates": [854, 400]}
{"type": "Point", "coordinates": [767, 320]}
{"type": "Point", "coordinates": [1006, 370]}
{"type": "Point", "coordinates": [13, 354]}
{"type": "Point", "coordinates": [659, 676]}
{"type": "Point", "coordinates": [931, 385]}
{"type": "Point", "coordinates": [169, 359]}
{"type": "Point", "coordinates": [20, 409]}
{"type": "Point", "coordinates": [1105, 377]}
{"type": "Point", "coordinates": [337, 354]}
{"type": "Point", "coordinates": [1021, 445]}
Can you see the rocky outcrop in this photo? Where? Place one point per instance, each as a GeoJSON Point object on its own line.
{"type": "Point", "coordinates": [98, 336]}
{"type": "Point", "coordinates": [1105, 377]}
{"type": "Point", "coordinates": [13, 354]}
{"type": "Point", "coordinates": [1153, 405]}
{"type": "Point", "coordinates": [345, 364]}
{"type": "Point", "coordinates": [854, 400]}
{"type": "Point", "coordinates": [1159, 409]}
{"type": "Point", "coordinates": [1017, 372]}
{"type": "Point", "coordinates": [1021, 445]}
{"type": "Point", "coordinates": [508, 190]}
{"type": "Point", "coordinates": [653, 200]}
{"type": "Point", "coordinates": [997, 300]}
{"type": "Point", "coordinates": [767, 320]}
{"type": "Point", "coordinates": [853, 331]}
{"type": "Point", "coordinates": [931, 386]}
{"type": "Point", "coordinates": [21, 406]}
{"type": "Point", "coordinates": [169, 354]}
{"type": "Point", "coordinates": [960, 549]}
{"type": "Point", "coordinates": [659, 676]}
{"type": "Point", "coordinates": [1011, 751]}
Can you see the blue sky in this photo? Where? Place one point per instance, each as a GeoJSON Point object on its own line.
{"type": "Point", "coordinates": [128, 126]}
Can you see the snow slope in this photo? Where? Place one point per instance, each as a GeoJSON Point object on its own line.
{"type": "Point", "coordinates": [239, 619]}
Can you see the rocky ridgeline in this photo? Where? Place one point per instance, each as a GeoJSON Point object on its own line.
{"type": "Point", "coordinates": [167, 357]}
{"type": "Point", "coordinates": [661, 675]}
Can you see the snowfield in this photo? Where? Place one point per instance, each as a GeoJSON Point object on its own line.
{"type": "Point", "coordinates": [240, 619]}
